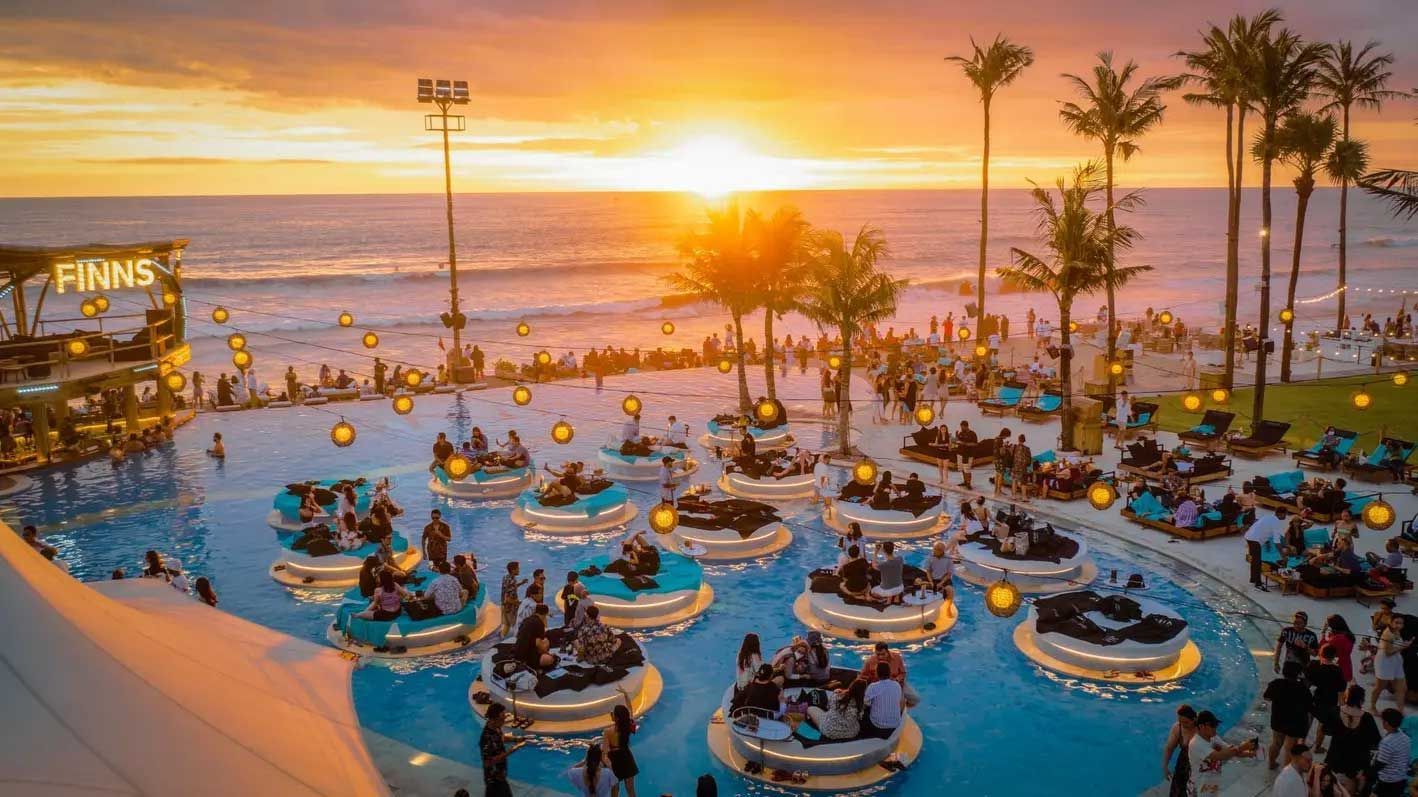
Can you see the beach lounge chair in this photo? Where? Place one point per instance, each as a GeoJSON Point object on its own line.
{"type": "Point", "coordinates": [1211, 431]}
{"type": "Point", "coordinates": [1265, 437]}
{"type": "Point", "coordinates": [1312, 457]}
{"type": "Point", "coordinates": [1375, 468]}
{"type": "Point", "coordinates": [1148, 511]}
{"type": "Point", "coordinates": [1282, 490]}
{"type": "Point", "coordinates": [919, 446]}
{"type": "Point", "coordinates": [1006, 399]}
{"type": "Point", "coordinates": [1145, 416]}
{"type": "Point", "coordinates": [1048, 405]}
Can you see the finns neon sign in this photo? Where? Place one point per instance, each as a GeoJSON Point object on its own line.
{"type": "Point", "coordinates": [85, 276]}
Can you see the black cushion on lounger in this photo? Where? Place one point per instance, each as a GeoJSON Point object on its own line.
{"type": "Point", "coordinates": [576, 677]}
{"type": "Point", "coordinates": [1316, 577]}
{"type": "Point", "coordinates": [1065, 614]}
{"type": "Point", "coordinates": [739, 514]}
{"type": "Point", "coordinates": [1051, 548]}
{"type": "Point", "coordinates": [1263, 433]}
{"type": "Point", "coordinates": [1219, 422]}
{"type": "Point", "coordinates": [593, 486]}
{"type": "Point", "coordinates": [916, 507]}
{"type": "Point", "coordinates": [556, 500]}
{"type": "Point", "coordinates": [855, 491]}
{"type": "Point", "coordinates": [924, 437]}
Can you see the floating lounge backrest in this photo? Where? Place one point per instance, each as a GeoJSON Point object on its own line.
{"type": "Point", "coordinates": [1269, 432]}
{"type": "Point", "coordinates": [1050, 402]}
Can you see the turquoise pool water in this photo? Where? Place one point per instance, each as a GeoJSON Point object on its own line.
{"type": "Point", "coordinates": [993, 723]}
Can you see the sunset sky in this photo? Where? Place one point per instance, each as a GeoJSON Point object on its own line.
{"type": "Point", "coordinates": [165, 97]}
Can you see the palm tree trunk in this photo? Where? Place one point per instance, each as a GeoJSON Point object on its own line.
{"type": "Point", "coordinates": [844, 396]}
{"type": "Point", "coordinates": [1258, 406]}
{"type": "Point", "coordinates": [1303, 188]}
{"type": "Point", "coordinates": [745, 403]}
{"type": "Point", "coordinates": [1343, 237]}
{"type": "Point", "coordinates": [768, 379]}
{"type": "Point", "coordinates": [1233, 248]}
{"type": "Point", "coordinates": [984, 227]}
{"type": "Point", "coordinates": [1065, 380]}
{"type": "Point", "coordinates": [1112, 335]}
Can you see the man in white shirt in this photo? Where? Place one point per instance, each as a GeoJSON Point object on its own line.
{"type": "Point", "coordinates": [630, 430]}
{"type": "Point", "coordinates": [1207, 753]}
{"type": "Point", "coordinates": [1270, 528]}
{"type": "Point", "coordinates": [1291, 780]}
{"type": "Point", "coordinates": [667, 479]}
{"type": "Point", "coordinates": [676, 433]}
{"type": "Point", "coordinates": [1122, 413]}
{"type": "Point", "coordinates": [885, 701]}
{"type": "Point", "coordinates": [822, 478]}
{"type": "Point", "coordinates": [446, 590]}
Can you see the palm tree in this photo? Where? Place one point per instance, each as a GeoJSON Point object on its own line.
{"type": "Point", "coordinates": [990, 69]}
{"type": "Point", "coordinates": [719, 267]}
{"type": "Point", "coordinates": [1349, 77]}
{"type": "Point", "coordinates": [1284, 72]}
{"type": "Point", "coordinates": [847, 291]}
{"type": "Point", "coordinates": [1081, 243]}
{"type": "Point", "coordinates": [781, 273]}
{"type": "Point", "coordinates": [1397, 187]}
{"type": "Point", "coordinates": [1115, 115]}
{"type": "Point", "coordinates": [1304, 141]}
{"type": "Point", "coordinates": [1223, 72]}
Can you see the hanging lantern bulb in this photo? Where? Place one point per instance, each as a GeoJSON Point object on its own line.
{"type": "Point", "coordinates": [1101, 495]}
{"type": "Point", "coordinates": [1379, 514]}
{"type": "Point", "coordinates": [964, 333]}
{"type": "Point", "coordinates": [1073, 326]}
{"type": "Point", "coordinates": [241, 359]}
{"type": "Point", "coordinates": [1192, 402]}
{"type": "Point", "coordinates": [342, 434]}
{"type": "Point", "coordinates": [1165, 316]}
{"type": "Point", "coordinates": [981, 350]}
{"type": "Point", "coordinates": [766, 411]}
{"type": "Point", "coordinates": [1116, 368]}
{"type": "Point", "coordinates": [521, 395]}
{"type": "Point", "coordinates": [864, 472]}
{"type": "Point", "coordinates": [169, 298]}
{"type": "Point", "coordinates": [413, 378]}
{"type": "Point", "coordinates": [175, 381]}
{"type": "Point", "coordinates": [101, 302]}
{"type": "Point", "coordinates": [1220, 395]}
{"type": "Point", "coordinates": [1361, 399]}
{"type": "Point", "coordinates": [834, 361]}
{"type": "Point", "coordinates": [562, 432]}
{"type": "Point", "coordinates": [457, 467]}
{"type": "Point", "coordinates": [1400, 378]}
{"type": "Point", "coordinates": [668, 328]}
{"type": "Point", "coordinates": [543, 357]}
{"type": "Point", "coordinates": [403, 404]}
{"type": "Point", "coordinates": [370, 340]}
{"type": "Point", "coordinates": [220, 315]}
{"type": "Point", "coordinates": [925, 413]}
{"type": "Point", "coordinates": [77, 347]}
{"type": "Point", "coordinates": [1287, 315]}
{"type": "Point", "coordinates": [236, 341]}
{"type": "Point", "coordinates": [88, 308]}
{"type": "Point", "coordinates": [523, 329]}
{"type": "Point", "coordinates": [1002, 598]}
{"type": "Point", "coordinates": [346, 319]}
{"type": "Point", "coordinates": [664, 518]}
{"type": "Point", "coordinates": [630, 405]}
{"type": "Point", "coordinates": [725, 365]}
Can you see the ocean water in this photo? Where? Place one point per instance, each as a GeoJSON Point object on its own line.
{"type": "Point", "coordinates": [587, 269]}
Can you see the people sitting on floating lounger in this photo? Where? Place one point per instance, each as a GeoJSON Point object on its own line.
{"type": "Point", "coordinates": [890, 571]}
{"type": "Point", "coordinates": [637, 558]}
{"type": "Point", "coordinates": [465, 569]}
{"type": "Point", "coordinates": [630, 430]}
{"type": "Point", "coordinates": [853, 537]}
{"type": "Point", "coordinates": [940, 571]}
{"type": "Point", "coordinates": [445, 590]}
{"type": "Point", "coordinates": [676, 433]}
{"type": "Point", "coordinates": [763, 694]}
{"type": "Point", "coordinates": [514, 454]}
{"type": "Point", "coordinates": [350, 536]}
{"type": "Point", "coordinates": [882, 654]}
{"type": "Point", "coordinates": [595, 642]}
{"type": "Point", "coordinates": [855, 576]}
{"type": "Point", "coordinates": [841, 718]}
{"type": "Point", "coordinates": [387, 601]}
{"type": "Point", "coordinates": [573, 601]}
{"type": "Point", "coordinates": [344, 381]}
{"type": "Point", "coordinates": [885, 702]}
{"type": "Point", "coordinates": [531, 599]}
{"type": "Point", "coordinates": [804, 662]}
{"type": "Point", "coordinates": [478, 442]}
{"type": "Point", "coordinates": [532, 647]}
{"type": "Point", "coordinates": [442, 450]}
{"type": "Point", "coordinates": [746, 664]}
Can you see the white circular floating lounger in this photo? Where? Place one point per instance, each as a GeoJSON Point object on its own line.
{"type": "Point", "coordinates": [570, 711]}
{"type": "Point", "coordinates": [402, 638]}
{"type": "Point", "coordinates": [335, 571]}
{"type": "Point", "coordinates": [683, 594]}
{"type": "Point", "coordinates": [768, 488]}
{"type": "Point", "coordinates": [764, 439]}
{"type": "Point", "coordinates": [885, 524]}
{"type": "Point", "coordinates": [984, 567]}
{"type": "Point", "coordinates": [727, 545]}
{"type": "Point", "coordinates": [839, 767]}
{"type": "Point", "coordinates": [1171, 660]}
{"type": "Point", "coordinates": [601, 511]}
{"type": "Point", "coordinates": [830, 614]}
{"type": "Point", "coordinates": [635, 468]}
{"type": "Point", "coordinates": [482, 485]}
{"type": "Point", "coordinates": [285, 512]}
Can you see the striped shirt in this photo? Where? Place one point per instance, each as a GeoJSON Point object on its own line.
{"type": "Point", "coordinates": [1394, 755]}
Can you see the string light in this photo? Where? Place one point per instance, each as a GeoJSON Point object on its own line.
{"type": "Point", "coordinates": [1101, 495]}
{"type": "Point", "coordinates": [236, 341]}
{"type": "Point", "coordinates": [102, 303]}
{"type": "Point", "coordinates": [346, 319]}
{"type": "Point", "coordinates": [1192, 402]}
{"type": "Point", "coordinates": [523, 329]}
{"type": "Point", "coordinates": [1220, 395]}
{"type": "Point", "coordinates": [169, 298]}
{"type": "Point", "coordinates": [521, 395]}
{"type": "Point", "coordinates": [175, 381]}
{"type": "Point", "coordinates": [981, 350]}
{"type": "Point", "coordinates": [1361, 399]}
{"type": "Point", "coordinates": [342, 434]}
{"type": "Point", "coordinates": [864, 472]}
{"type": "Point", "coordinates": [834, 361]}
{"type": "Point", "coordinates": [1400, 378]}
{"type": "Point", "coordinates": [1073, 326]}
{"type": "Point", "coordinates": [562, 432]}
{"type": "Point", "coordinates": [630, 405]}
{"type": "Point", "coordinates": [964, 333]}
{"type": "Point", "coordinates": [668, 328]}
{"type": "Point", "coordinates": [1287, 315]}
{"type": "Point", "coordinates": [1379, 514]}
{"type": "Point", "coordinates": [664, 518]}
{"type": "Point", "coordinates": [767, 411]}
{"type": "Point", "coordinates": [88, 308]}
{"type": "Point", "coordinates": [1002, 598]}
{"type": "Point", "coordinates": [1165, 317]}
{"type": "Point", "coordinates": [413, 378]}
{"type": "Point", "coordinates": [725, 365]}
{"type": "Point", "coordinates": [77, 347]}
{"type": "Point", "coordinates": [925, 413]}
{"type": "Point", "coordinates": [241, 359]}
{"type": "Point", "coordinates": [370, 340]}
{"type": "Point", "coordinates": [220, 314]}
{"type": "Point", "coordinates": [543, 357]}
{"type": "Point", "coordinates": [457, 467]}
{"type": "Point", "coordinates": [1116, 368]}
{"type": "Point", "coordinates": [403, 404]}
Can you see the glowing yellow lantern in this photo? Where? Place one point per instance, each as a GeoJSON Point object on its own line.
{"type": "Point", "coordinates": [77, 347]}
{"type": "Point", "coordinates": [1362, 400]}
{"type": "Point", "coordinates": [169, 298]}
{"type": "Point", "coordinates": [630, 405]}
{"type": "Point", "coordinates": [725, 365]}
{"type": "Point", "coordinates": [1101, 495]}
{"type": "Point", "coordinates": [766, 411]}
{"type": "Point", "coordinates": [664, 518]}
{"type": "Point", "coordinates": [236, 341]}
{"type": "Point", "coordinates": [413, 378]}
{"type": "Point", "coordinates": [175, 381]}
{"type": "Point", "coordinates": [1165, 316]}
{"type": "Point", "coordinates": [523, 329]}
{"type": "Point", "coordinates": [241, 359]}
{"type": "Point", "coordinates": [964, 333]}
{"type": "Point", "coordinates": [403, 405]}
{"type": "Point", "coordinates": [834, 361]}
{"type": "Point", "coordinates": [1379, 514]}
{"type": "Point", "coordinates": [521, 395]}
{"type": "Point", "coordinates": [220, 315]}
{"type": "Point", "coordinates": [88, 308]}
{"type": "Point", "coordinates": [1192, 402]}
{"type": "Point", "coordinates": [457, 467]}
{"type": "Point", "coordinates": [1073, 326]}
{"type": "Point", "coordinates": [346, 319]}
{"type": "Point", "coordinates": [342, 434]}
{"type": "Point", "coordinates": [1002, 598]}
{"type": "Point", "coordinates": [1116, 368]}
{"type": "Point", "coordinates": [864, 472]}
{"type": "Point", "coordinates": [1220, 395]}
{"type": "Point", "coordinates": [1400, 378]}
{"type": "Point", "coordinates": [925, 414]}
{"type": "Point", "coordinates": [543, 358]}
{"type": "Point", "coordinates": [164, 368]}
{"type": "Point", "coordinates": [1287, 315]}
{"type": "Point", "coordinates": [370, 340]}
{"type": "Point", "coordinates": [561, 432]}
{"type": "Point", "coordinates": [101, 302]}
{"type": "Point", "coordinates": [981, 350]}
{"type": "Point", "coordinates": [668, 328]}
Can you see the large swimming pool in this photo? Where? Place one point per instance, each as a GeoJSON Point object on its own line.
{"type": "Point", "coordinates": [993, 723]}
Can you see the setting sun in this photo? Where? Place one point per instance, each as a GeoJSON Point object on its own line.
{"type": "Point", "coordinates": [715, 165]}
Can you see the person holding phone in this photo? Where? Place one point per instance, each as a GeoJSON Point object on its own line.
{"type": "Point", "coordinates": [494, 750]}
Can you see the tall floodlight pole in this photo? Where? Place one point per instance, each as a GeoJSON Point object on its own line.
{"type": "Point", "coordinates": [445, 94]}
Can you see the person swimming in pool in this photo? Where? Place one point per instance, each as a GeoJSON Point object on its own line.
{"type": "Point", "coordinates": [218, 449]}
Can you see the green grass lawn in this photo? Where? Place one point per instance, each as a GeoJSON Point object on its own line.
{"type": "Point", "coordinates": [1311, 406]}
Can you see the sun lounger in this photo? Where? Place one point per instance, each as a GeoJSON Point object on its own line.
{"type": "Point", "coordinates": [1375, 467]}
{"type": "Point", "coordinates": [1265, 437]}
{"type": "Point", "coordinates": [1145, 417]}
{"type": "Point", "coordinates": [1282, 490]}
{"type": "Point", "coordinates": [1148, 511]}
{"type": "Point", "coordinates": [1314, 456]}
{"type": "Point", "coordinates": [1006, 399]}
{"type": "Point", "coordinates": [1211, 431]}
{"type": "Point", "coordinates": [1049, 404]}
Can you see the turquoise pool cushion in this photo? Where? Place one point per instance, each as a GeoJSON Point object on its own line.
{"type": "Point", "coordinates": [1147, 506]}
{"type": "Point", "coordinates": [1047, 456]}
{"type": "Point", "coordinates": [607, 500]}
{"type": "Point", "coordinates": [478, 477]}
{"type": "Point", "coordinates": [1204, 428]}
{"type": "Point", "coordinates": [1142, 420]}
{"type": "Point", "coordinates": [1006, 397]}
{"type": "Point", "coordinates": [289, 505]}
{"type": "Point", "coordinates": [374, 632]}
{"type": "Point", "coordinates": [1049, 402]}
{"type": "Point", "coordinates": [399, 544]}
{"type": "Point", "coordinates": [1286, 482]}
{"type": "Point", "coordinates": [677, 573]}
{"type": "Point", "coordinates": [655, 456]}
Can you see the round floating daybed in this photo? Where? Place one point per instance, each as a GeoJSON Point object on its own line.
{"type": "Point", "coordinates": [600, 511]}
{"type": "Point", "coordinates": [921, 615]}
{"type": "Point", "coordinates": [484, 484]}
{"type": "Point", "coordinates": [1059, 564]}
{"type": "Point", "coordinates": [728, 529]}
{"type": "Point", "coordinates": [337, 393]}
{"type": "Point", "coordinates": [905, 520]}
{"type": "Point", "coordinates": [285, 514]}
{"type": "Point", "coordinates": [645, 467]}
{"type": "Point", "coordinates": [315, 401]}
{"type": "Point", "coordinates": [373, 397]}
{"type": "Point", "coordinates": [767, 488]}
{"type": "Point", "coordinates": [404, 637]}
{"type": "Point", "coordinates": [1116, 638]}
{"type": "Point", "coordinates": [674, 593]}
{"type": "Point", "coordinates": [830, 766]}
{"type": "Point", "coordinates": [573, 698]}
{"type": "Point", "coordinates": [724, 433]}
{"type": "Point", "coordinates": [336, 570]}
